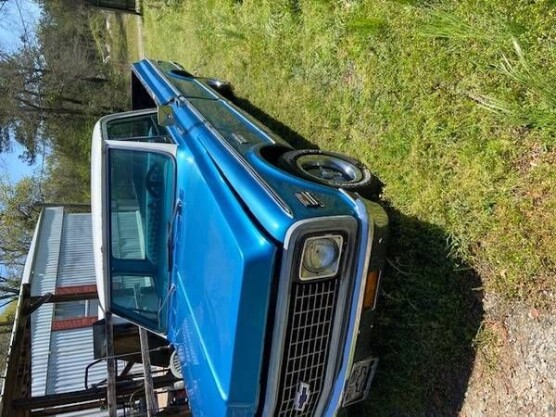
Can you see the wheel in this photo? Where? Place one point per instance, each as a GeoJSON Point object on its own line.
{"type": "Point", "coordinates": [332, 169]}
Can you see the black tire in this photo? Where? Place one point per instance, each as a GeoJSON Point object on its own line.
{"type": "Point", "coordinates": [332, 169]}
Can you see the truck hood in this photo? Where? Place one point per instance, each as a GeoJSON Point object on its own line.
{"type": "Point", "coordinates": [222, 275]}
{"type": "Point", "coordinates": [235, 142]}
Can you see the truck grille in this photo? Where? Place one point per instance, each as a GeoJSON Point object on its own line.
{"type": "Point", "coordinates": [304, 364]}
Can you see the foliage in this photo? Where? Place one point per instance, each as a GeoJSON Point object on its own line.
{"type": "Point", "coordinates": [54, 82]}
{"type": "Point", "coordinates": [18, 214]}
{"type": "Point", "coordinates": [538, 84]}
{"type": "Point", "coordinates": [51, 93]}
{"type": "Point", "coordinates": [7, 317]}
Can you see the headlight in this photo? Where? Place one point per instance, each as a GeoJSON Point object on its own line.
{"type": "Point", "coordinates": [321, 257]}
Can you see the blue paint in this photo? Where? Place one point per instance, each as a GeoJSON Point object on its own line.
{"type": "Point", "coordinates": [235, 212]}
{"type": "Point", "coordinates": [223, 271]}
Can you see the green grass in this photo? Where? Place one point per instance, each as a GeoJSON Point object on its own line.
{"type": "Point", "coordinates": [452, 104]}
{"type": "Point", "coordinates": [116, 37]}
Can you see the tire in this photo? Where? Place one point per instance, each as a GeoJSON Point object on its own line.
{"type": "Point", "coordinates": [332, 169]}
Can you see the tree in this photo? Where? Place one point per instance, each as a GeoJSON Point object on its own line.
{"type": "Point", "coordinates": [9, 291]}
{"type": "Point", "coordinates": [54, 81]}
{"type": "Point", "coordinates": [19, 211]}
{"type": "Point", "coordinates": [7, 317]}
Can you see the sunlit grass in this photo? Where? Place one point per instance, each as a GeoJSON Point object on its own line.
{"type": "Point", "coordinates": [452, 105]}
{"type": "Point", "coordinates": [116, 36]}
{"type": "Point", "coordinates": [407, 89]}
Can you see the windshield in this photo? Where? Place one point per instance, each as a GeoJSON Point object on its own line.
{"type": "Point", "coordinates": [141, 203]}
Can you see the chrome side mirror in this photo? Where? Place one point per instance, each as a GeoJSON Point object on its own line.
{"type": "Point", "coordinates": [165, 116]}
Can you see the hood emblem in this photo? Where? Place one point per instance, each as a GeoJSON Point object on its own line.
{"type": "Point", "coordinates": [308, 199]}
{"type": "Point", "coordinates": [302, 396]}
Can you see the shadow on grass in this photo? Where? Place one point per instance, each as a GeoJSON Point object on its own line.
{"type": "Point", "coordinates": [429, 312]}
{"type": "Point", "coordinates": [290, 135]}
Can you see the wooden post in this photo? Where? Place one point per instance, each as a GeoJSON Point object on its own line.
{"type": "Point", "coordinates": [19, 352]}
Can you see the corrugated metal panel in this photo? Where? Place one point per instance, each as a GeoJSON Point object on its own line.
{"type": "Point", "coordinates": [76, 258]}
{"type": "Point", "coordinates": [41, 327]}
{"type": "Point", "coordinates": [63, 258]}
{"type": "Point", "coordinates": [71, 352]}
{"type": "Point", "coordinates": [45, 270]}
{"type": "Point", "coordinates": [43, 280]}
{"type": "Point", "coordinates": [127, 236]}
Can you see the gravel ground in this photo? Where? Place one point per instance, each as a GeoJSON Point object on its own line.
{"type": "Point", "coordinates": [516, 377]}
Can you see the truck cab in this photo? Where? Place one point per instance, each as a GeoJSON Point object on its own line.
{"type": "Point", "coordinates": [259, 263]}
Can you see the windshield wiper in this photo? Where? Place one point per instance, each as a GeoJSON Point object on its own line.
{"type": "Point", "coordinates": [171, 234]}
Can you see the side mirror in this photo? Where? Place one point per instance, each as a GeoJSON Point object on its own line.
{"type": "Point", "coordinates": [165, 116]}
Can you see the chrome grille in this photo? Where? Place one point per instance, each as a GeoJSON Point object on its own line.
{"type": "Point", "coordinates": [310, 322]}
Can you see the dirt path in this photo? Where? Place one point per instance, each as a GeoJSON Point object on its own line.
{"type": "Point", "coordinates": [516, 374]}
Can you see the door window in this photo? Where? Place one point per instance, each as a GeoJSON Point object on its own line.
{"type": "Point", "coordinates": [141, 198]}
{"type": "Point", "coordinates": [139, 128]}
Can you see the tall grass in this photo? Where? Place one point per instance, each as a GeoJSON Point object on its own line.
{"type": "Point", "coordinates": [539, 86]}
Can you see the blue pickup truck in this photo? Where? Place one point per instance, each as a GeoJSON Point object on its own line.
{"type": "Point", "coordinates": [259, 263]}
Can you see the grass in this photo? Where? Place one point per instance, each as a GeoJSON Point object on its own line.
{"type": "Point", "coordinates": [116, 36]}
{"type": "Point", "coordinates": [452, 104]}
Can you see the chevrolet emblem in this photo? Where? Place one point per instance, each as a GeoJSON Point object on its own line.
{"type": "Point", "coordinates": [302, 396]}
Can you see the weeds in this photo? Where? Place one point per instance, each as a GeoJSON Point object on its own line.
{"type": "Point", "coordinates": [449, 26]}
{"type": "Point", "coordinates": [541, 112]}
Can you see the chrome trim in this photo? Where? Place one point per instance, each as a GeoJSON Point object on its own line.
{"type": "Point", "coordinates": [240, 139]}
{"type": "Point", "coordinates": [167, 149]}
{"type": "Point", "coordinates": [337, 238]}
{"type": "Point", "coordinates": [375, 298]}
{"type": "Point", "coordinates": [324, 224]}
{"type": "Point", "coordinates": [216, 96]}
{"type": "Point", "coordinates": [308, 199]}
{"type": "Point", "coordinates": [177, 65]}
{"type": "Point", "coordinates": [330, 164]}
{"type": "Point", "coordinates": [124, 115]}
{"type": "Point", "coordinates": [246, 120]}
{"type": "Point", "coordinates": [363, 216]}
{"type": "Point", "coordinates": [238, 157]}
{"type": "Point", "coordinates": [180, 99]}
{"type": "Point", "coordinates": [362, 269]}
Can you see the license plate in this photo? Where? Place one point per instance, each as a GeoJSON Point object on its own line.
{"type": "Point", "coordinates": [359, 383]}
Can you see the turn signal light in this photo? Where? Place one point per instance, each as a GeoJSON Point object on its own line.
{"type": "Point", "coordinates": [371, 289]}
